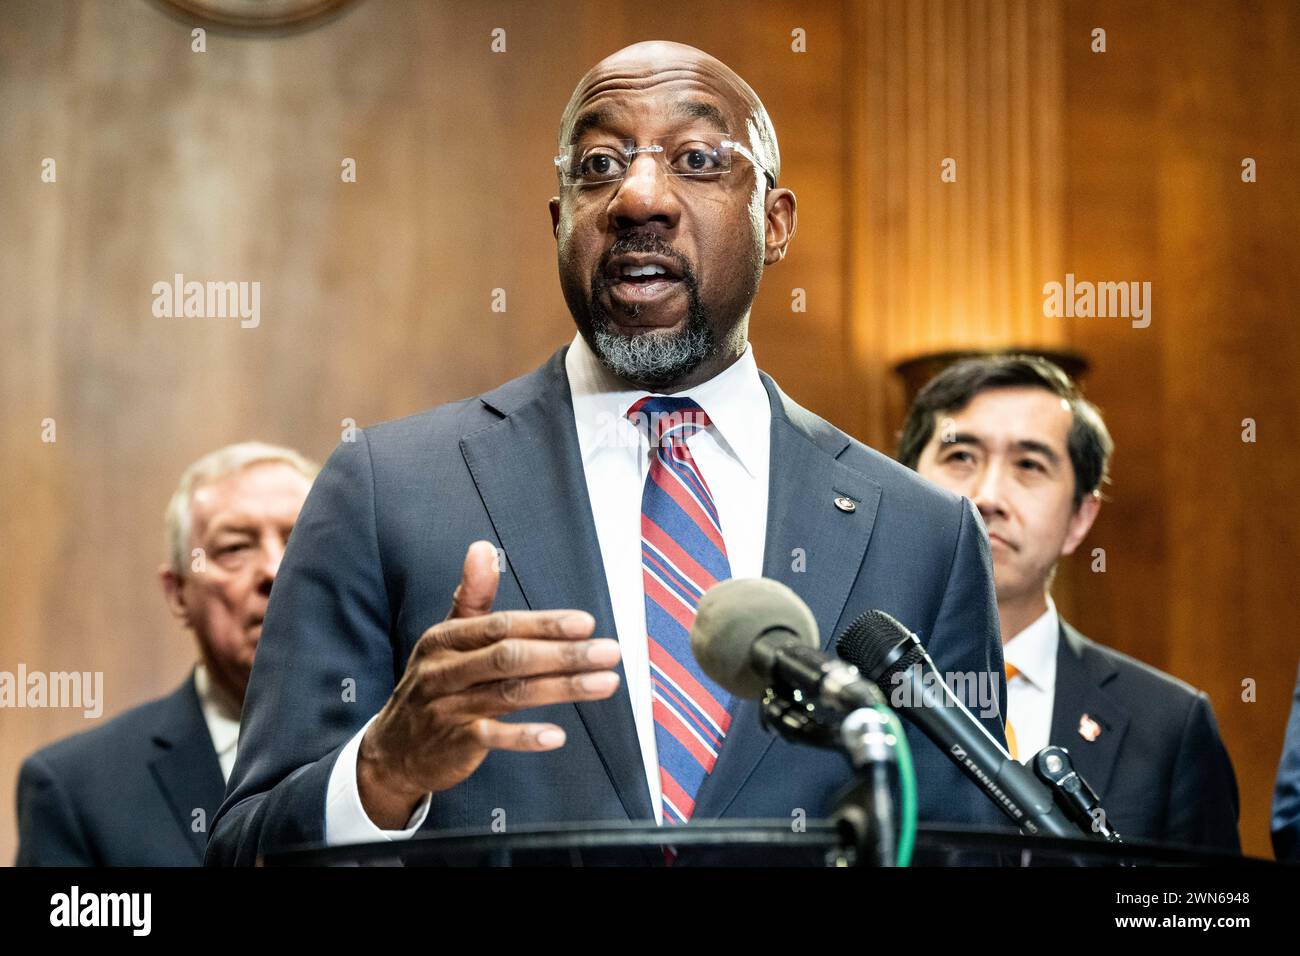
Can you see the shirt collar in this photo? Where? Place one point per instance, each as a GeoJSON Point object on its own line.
{"type": "Point", "coordinates": [1033, 650]}
{"type": "Point", "coordinates": [220, 712]}
{"type": "Point", "coordinates": [740, 413]}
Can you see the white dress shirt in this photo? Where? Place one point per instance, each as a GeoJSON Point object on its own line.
{"type": "Point", "coordinates": [221, 714]}
{"type": "Point", "coordinates": [732, 455]}
{"type": "Point", "coordinates": [1032, 693]}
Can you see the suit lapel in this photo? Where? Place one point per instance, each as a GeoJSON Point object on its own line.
{"type": "Point", "coordinates": [1080, 679]}
{"type": "Point", "coordinates": [186, 768]}
{"type": "Point", "coordinates": [528, 469]}
{"type": "Point", "coordinates": [813, 546]}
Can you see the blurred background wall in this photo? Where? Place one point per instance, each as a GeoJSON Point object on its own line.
{"type": "Point", "coordinates": [377, 295]}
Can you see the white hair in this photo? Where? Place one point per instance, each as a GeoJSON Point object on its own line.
{"type": "Point", "coordinates": [211, 468]}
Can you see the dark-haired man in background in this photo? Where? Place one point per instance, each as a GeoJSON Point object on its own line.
{"type": "Point", "coordinates": [1014, 435]}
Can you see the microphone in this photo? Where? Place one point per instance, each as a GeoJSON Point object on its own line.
{"type": "Point", "coordinates": [754, 633]}
{"type": "Point", "coordinates": [888, 653]}
{"type": "Point", "coordinates": [757, 639]}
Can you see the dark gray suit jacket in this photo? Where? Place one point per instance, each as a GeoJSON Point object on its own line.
{"type": "Point", "coordinates": [378, 549]}
{"type": "Point", "coordinates": [123, 794]}
{"type": "Point", "coordinates": [1286, 793]}
{"type": "Point", "coordinates": [1158, 763]}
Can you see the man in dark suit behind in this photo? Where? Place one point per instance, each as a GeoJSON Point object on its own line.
{"type": "Point", "coordinates": [1014, 434]}
{"type": "Point", "coordinates": [1286, 793]}
{"type": "Point", "coordinates": [364, 722]}
{"type": "Point", "coordinates": [142, 789]}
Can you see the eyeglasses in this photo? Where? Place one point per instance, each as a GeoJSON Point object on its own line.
{"type": "Point", "coordinates": [695, 157]}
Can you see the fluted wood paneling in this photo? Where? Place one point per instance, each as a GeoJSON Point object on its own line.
{"type": "Point", "coordinates": [376, 296]}
{"type": "Point", "coordinates": [957, 264]}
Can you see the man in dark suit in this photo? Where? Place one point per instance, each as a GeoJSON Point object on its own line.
{"type": "Point", "coordinates": [1014, 434]}
{"type": "Point", "coordinates": [1286, 795]}
{"type": "Point", "coordinates": [142, 789]}
{"type": "Point", "coordinates": [364, 722]}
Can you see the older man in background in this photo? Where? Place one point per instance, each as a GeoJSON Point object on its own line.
{"type": "Point", "coordinates": [141, 790]}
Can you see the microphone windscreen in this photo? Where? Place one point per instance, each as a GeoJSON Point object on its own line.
{"type": "Point", "coordinates": [872, 644]}
{"type": "Point", "coordinates": [732, 616]}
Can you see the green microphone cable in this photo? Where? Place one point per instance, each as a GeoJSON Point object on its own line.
{"type": "Point", "coordinates": [907, 786]}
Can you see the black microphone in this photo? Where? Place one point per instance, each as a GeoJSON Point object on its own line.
{"type": "Point", "coordinates": [889, 654]}
{"type": "Point", "coordinates": [753, 633]}
{"type": "Point", "coordinates": [756, 638]}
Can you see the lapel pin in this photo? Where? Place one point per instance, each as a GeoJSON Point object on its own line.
{"type": "Point", "coordinates": [846, 505]}
{"type": "Point", "coordinates": [1089, 729]}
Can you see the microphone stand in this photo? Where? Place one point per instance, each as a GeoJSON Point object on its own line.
{"type": "Point", "coordinates": [1054, 766]}
{"type": "Point", "coordinates": [864, 811]}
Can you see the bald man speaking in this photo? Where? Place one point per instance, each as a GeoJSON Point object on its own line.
{"type": "Point", "coordinates": [483, 614]}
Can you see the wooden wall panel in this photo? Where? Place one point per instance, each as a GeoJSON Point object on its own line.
{"type": "Point", "coordinates": [1123, 165]}
{"type": "Point", "coordinates": [1201, 534]}
{"type": "Point", "coordinates": [376, 296]}
{"type": "Point", "coordinates": [942, 265]}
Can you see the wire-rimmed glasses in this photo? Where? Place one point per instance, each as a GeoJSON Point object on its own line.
{"type": "Point", "coordinates": [697, 157]}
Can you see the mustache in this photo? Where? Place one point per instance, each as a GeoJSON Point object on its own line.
{"type": "Point", "coordinates": [646, 243]}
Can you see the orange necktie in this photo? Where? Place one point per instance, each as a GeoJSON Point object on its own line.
{"type": "Point", "coordinates": [1012, 671]}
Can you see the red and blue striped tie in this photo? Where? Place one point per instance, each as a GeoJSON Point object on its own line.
{"type": "Point", "coordinates": [682, 556]}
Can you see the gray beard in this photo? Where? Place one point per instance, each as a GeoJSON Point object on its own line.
{"type": "Point", "coordinates": [656, 358]}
